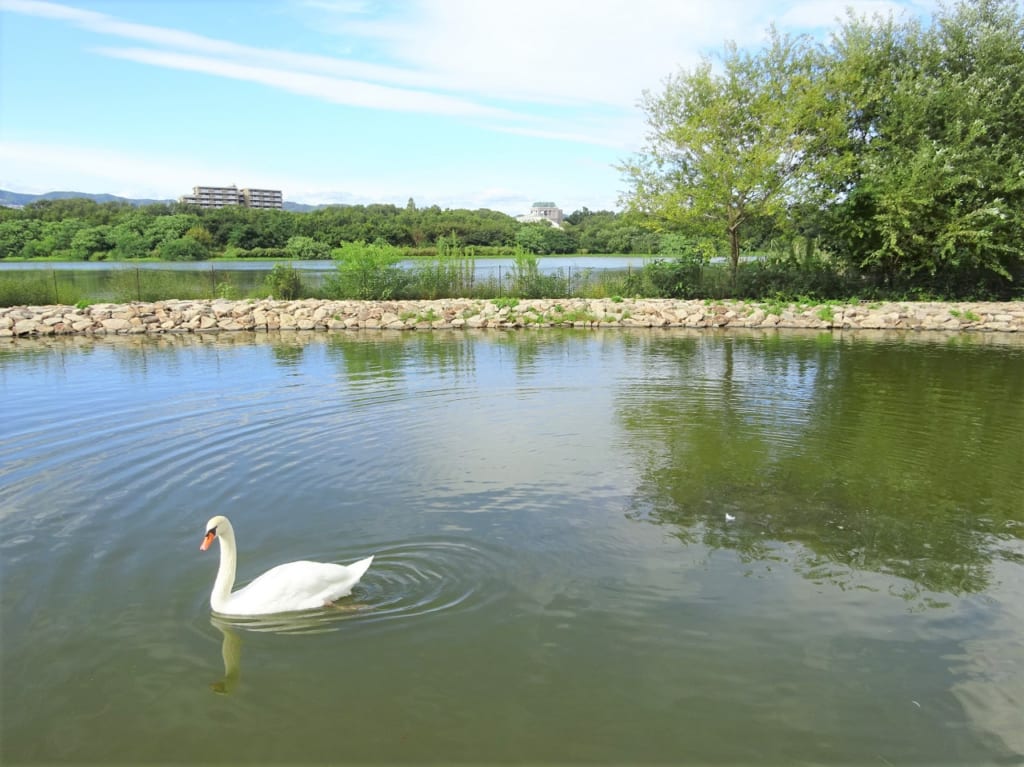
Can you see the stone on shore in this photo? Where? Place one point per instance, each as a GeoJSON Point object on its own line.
{"type": "Point", "coordinates": [199, 316]}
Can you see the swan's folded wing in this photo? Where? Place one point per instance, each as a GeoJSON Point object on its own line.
{"type": "Point", "coordinates": [296, 586]}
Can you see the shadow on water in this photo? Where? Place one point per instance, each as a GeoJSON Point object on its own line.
{"type": "Point", "coordinates": [829, 457]}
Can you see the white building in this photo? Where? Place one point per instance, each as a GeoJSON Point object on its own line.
{"type": "Point", "coordinates": [543, 211]}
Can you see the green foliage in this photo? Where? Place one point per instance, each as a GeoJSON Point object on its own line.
{"type": "Point", "coordinates": [92, 242]}
{"type": "Point", "coordinates": [726, 145]}
{"type": "Point", "coordinates": [367, 272]}
{"type": "Point", "coordinates": [541, 238]}
{"type": "Point", "coordinates": [36, 289]}
{"type": "Point", "coordinates": [303, 248]}
{"type": "Point", "coordinates": [797, 268]}
{"type": "Point", "coordinates": [449, 274]}
{"type": "Point", "coordinates": [932, 197]}
{"type": "Point", "coordinates": [135, 284]}
{"type": "Point", "coordinates": [201, 235]}
{"type": "Point", "coordinates": [527, 281]}
{"type": "Point", "coordinates": [260, 253]}
{"type": "Point", "coordinates": [284, 282]}
{"type": "Point", "coordinates": [182, 249]}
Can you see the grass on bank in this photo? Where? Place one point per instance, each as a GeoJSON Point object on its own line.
{"type": "Point", "coordinates": [373, 272]}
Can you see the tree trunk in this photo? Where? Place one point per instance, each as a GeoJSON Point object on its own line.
{"type": "Point", "coordinates": [734, 252]}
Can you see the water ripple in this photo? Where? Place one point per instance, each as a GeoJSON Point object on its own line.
{"type": "Point", "coordinates": [408, 581]}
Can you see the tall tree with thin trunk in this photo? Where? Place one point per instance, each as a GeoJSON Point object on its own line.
{"type": "Point", "coordinates": [727, 143]}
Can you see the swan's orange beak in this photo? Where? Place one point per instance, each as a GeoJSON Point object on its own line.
{"type": "Point", "coordinates": [208, 540]}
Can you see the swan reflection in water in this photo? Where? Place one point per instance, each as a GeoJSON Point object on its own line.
{"type": "Point", "coordinates": [316, 622]}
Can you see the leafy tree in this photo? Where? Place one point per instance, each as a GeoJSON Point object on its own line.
{"type": "Point", "coordinates": [727, 146]}
{"type": "Point", "coordinates": [542, 238]}
{"type": "Point", "coordinates": [129, 241]}
{"type": "Point", "coordinates": [15, 234]}
{"type": "Point", "coordinates": [162, 229]}
{"type": "Point", "coordinates": [933, 149]}
{"type": "Point", "coordinates": [305, 248]}
{"type": "Point", "coordinates": [201, 235]}
{"type": "Point", "coordinates": [182, 249]}
{"type": "Point", "coordinates": [91, 242]}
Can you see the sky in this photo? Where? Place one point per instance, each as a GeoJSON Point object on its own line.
{"type": "Point", "coordinates": [457, 103]}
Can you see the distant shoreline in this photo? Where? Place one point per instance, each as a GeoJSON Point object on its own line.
{"type": "Point", "coordinates": [205, 316]}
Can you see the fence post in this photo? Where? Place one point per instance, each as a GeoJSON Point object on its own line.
{"type": "Point", "coordinates": [213, 281]}
{"type": "Point", "coordinates": [56, 293]}
{"type": "Point", "coordinates": [138, 285]}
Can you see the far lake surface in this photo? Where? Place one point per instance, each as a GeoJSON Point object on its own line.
{"type": "Point", "coordinates": [100, 278]}
{"type": "Point", "coordinates": [606, 547]}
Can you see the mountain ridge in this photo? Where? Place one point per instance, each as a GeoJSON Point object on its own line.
{"type": "Point", "coordinates": [9, 199]}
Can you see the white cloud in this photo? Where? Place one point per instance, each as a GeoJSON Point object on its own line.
{"type": "Point", "coordinates": [559, 51]}
{"type": "Point", "coordinates": [323, 87]}
{"type": "Point", "coordinates": [471, 59]}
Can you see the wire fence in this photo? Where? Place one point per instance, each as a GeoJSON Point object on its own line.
{"type": "Point", "coordinates": [124, 284]}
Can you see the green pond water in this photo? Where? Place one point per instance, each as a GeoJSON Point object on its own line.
{"type": "Point", "coordinates": [651, 547]}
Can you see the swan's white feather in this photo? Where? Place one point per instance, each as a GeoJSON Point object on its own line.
{"type": "Point", "coordinates": [295, 586]}
{"type": "Point", "coordinates": [286, 588]}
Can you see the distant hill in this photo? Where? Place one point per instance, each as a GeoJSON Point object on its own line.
{"type": "Point", "coordinates": [20, 199]}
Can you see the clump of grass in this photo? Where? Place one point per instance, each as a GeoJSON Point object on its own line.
{"type": "Point", "coordinates": [967, 315]}
{"type": "Point", "coordinates": [18, 289]}
{"type": "Point", "coordinates": [448, 275]}
{"type": "Point", "coordinates": [578, 315]}
{"type": "Point", "coordinates": [284, 282]}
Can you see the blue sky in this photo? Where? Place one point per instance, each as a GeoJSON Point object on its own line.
{"type": "Point", "coordinates": [457, 103]}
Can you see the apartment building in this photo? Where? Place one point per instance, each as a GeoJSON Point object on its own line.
{"type": "Point", "coordinates": [221, 196]}
{"type": "Point", "coordinates": [263, 198]}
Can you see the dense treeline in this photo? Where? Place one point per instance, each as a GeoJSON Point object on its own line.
{"type": "Point", "coordinates": [896, 150]}
{"type": "Point", "coordinates": [79, 229]}
{"type": "Point", "coordinates": [886, 161]}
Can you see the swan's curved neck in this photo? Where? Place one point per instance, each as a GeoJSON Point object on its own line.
{"type": "Point", "coordinates": [225, 573]}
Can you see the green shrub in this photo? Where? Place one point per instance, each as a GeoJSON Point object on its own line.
{"type": "Point", "coordinates": [367, 272]}
{"type": "Point", "coordinates": [304, 248]}
{"type": "Point", "coordinates": [450, 274]}
{"type": "Point", "coordinates": [527, 281]}
{"type": "Point", "coordinates": [284, 282]}
{"type": "Point", "coordinates": [182, 249]}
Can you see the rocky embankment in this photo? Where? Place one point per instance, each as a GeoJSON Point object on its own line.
{"type": "Point", "coordinates": [201, 316]}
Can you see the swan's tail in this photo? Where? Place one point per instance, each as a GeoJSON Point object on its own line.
{"type": "Point", "coordinates": [358, 569]}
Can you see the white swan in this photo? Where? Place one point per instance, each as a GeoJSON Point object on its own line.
{"type": "Point", "coordinates": [285, 588]}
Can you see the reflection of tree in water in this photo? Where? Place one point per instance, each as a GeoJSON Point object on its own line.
{"type": "Point", "coordinates": [288, 352]}
{"type": "Point", "coordinates": [382, 359]}
{"type": "Point", "coordinates": [899, 460]}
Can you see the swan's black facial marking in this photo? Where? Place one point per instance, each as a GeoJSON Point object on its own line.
{"type": "Point", "coordinates": [212, 531]}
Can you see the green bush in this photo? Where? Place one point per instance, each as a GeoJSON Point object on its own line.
{"type": "Point", "coordinates": [527, 281]}
{"type": "Point", "coordinates": [285, 282]}
{"type": "Point", "coordinates": [304, 248]}
{"type": "Point", "coordinates": [367, 272]}
{"type": "Point", "coordinates": [679, 278]}
{"type": "Point", "coordinates": [450, 274]}
{"type": "Point", "coordinates": [182, 249]}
